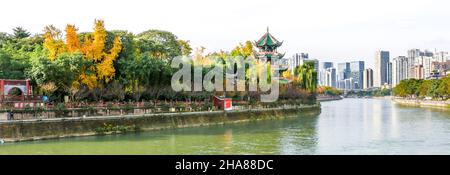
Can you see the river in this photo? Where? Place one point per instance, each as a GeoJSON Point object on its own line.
{"type": "Point", "coordinates": [349, 126]}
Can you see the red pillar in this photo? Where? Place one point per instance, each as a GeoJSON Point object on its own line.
{"type": "Point", "coordinates": [2, 84]}
{"type": "Point", "coordinates": [28, 87]}
{"type": "Point", "coordinates": [2, 89]}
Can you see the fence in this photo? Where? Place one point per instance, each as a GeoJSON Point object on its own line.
{"type": "Point", "coordinates": [116, 109]}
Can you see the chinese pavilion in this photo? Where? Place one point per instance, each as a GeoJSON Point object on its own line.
{"type": "Point", "coordinates": [267, 46]}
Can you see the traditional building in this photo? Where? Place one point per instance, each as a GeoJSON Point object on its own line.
{"type": "Point", "coordinates": [268, 46]}
{"type": "Point", "coordinates": [17, 94]}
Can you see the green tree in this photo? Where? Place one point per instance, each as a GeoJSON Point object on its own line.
{"type": "Point", "coordinates": [185, 47]}
{"type": "Point", "coordinates": [444, 87]}
{"type": "Point", "coordinates": [20, 33]}
{"type": "Point", "coordinates": [307, 77]}
{"type": "Point", "coordinates": [433, 89]}
{"type": "Point", "coordinates": [10, 68]}
{"type": "Point", "coordinates": [412, 87]}
{"type": "Point", "coordinates": [62, 72]}
{"type": "Point", "coordinates": [4, 39]}
{"type": "Point", "coordinates": [424, 89]}
{"type": "Point", "coordinates": [159, 44]}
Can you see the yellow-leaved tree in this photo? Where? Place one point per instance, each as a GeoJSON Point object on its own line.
{"type": "Point", "coordinates": [53, 42]}
{"type": "Point", "coordinates": [105, 69]}
{"type": "Point", "coordinates": [93, 49]}
{"type": "Point", "coordinates": [72, 41]}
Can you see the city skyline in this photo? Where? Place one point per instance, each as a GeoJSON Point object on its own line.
{"type": "Point", "coordinates": [347, 30]}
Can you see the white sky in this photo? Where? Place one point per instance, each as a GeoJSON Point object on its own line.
{"type": "Point", "coordinates": [330, 30]}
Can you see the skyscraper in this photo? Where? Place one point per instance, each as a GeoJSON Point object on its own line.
{"type": "Point", "coordinates": [381, 70]}
{"type": "Point", "coordinates": [356, 73]}
{"type": "Point", "coordinates": [297, 60]}
{"type": "Point", "coordinates": [343, 71]}
{"type": "Point", "coordinates": [330, 77]}
{"type": "Point", "coordinates": [389, 74]}
{"type": "Point", "coordinates": [323, 68]}
{"type": "Point", "coordinates": [368, 79]}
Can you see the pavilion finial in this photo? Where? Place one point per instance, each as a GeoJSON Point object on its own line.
{"type": "Point", "coordinates": [267, 29]}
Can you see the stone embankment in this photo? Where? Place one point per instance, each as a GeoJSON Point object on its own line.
{"type": "Point", "coordinates": [26, 130]}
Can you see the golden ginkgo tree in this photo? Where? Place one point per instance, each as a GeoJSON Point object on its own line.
{"type": "Point", "coordinates": [93, 48]}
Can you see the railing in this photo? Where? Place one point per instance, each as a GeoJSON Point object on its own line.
{"type": "Point", "coordinates": [19, 98]}
{"type": "Point", "coordinates": [118, 109]}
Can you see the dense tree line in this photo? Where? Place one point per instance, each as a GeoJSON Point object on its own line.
{"type": "Point", "coordinates": [414, 88]}
{"type": "Point", "coordinates": [117, 65]}
{"type": "Point", "coordinates": [371, 93]}
{"type": "Point", "coordinates": [97, 65]}
{"type": "Point", "coordinates": [330, 91]}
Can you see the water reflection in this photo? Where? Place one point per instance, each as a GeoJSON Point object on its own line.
{"type": "Point", "coordinates": [350, 126]}
{"type": "Point", "coordinates": [227, 141]}
{"type": "Point", "coordinates": [300, 136]}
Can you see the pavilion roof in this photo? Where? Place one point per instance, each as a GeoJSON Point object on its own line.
{"type": "Point", "coordinates": [268, 40]}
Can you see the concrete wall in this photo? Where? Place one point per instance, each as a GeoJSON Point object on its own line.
{"type": "Point", "coordinates": [71, 127]}
{"type": "Point", "coordinates": [424, 103]}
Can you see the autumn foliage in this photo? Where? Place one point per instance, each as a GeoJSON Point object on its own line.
{"type": "Point", "coordinates": [93, 48]}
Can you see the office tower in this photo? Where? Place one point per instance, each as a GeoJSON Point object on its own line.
{"type": "Point", "coordinates": [297, 60]}
{"type": "Point", "coordinates": [340, 84]}
{"type": "Point", "coordinates": [323, 67]}
{"type": "Point", "coordinates": [389, 75]}
{"type": "Point", "coordinates": [316, 63]}
{"type": "Point", "coordinates": [357, 74]}
{"type": "Point", "coordinates": [343, 71]}
{"type": "Point", "coordinates": [395, 72]}
{"type": "Point", "coordinates": [381, 70]}
{"type": "Point", "coordinates": [330, 77]}
{"type": "Point", "coordinates": [368, 79]}
{"type": "Point", "coordinates": [348, 84]}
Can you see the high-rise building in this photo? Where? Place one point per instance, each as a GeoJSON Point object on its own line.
{"type": "Point", "coordinates": [440, 69]}
{"type": "Point", "coordinates": [323, 68]}
{"type": "Point", "coordinates": [412, 53]}
{"type": "Point", "coordinates": [297, 60]}
{"type": "Point", "coordinates": [343, 71]}
{"type": "Point", "coordinates": [400, 69]}
{"type": "Point", "coordinates": [316, 63]}
{"type": "Point", "coordinates": [389, 75]}
{"type": "Point", "coordinates": [330, 77]}
{"type": "Point", "coordinates": [417, 72]}
{"type": "Point", "coordinates": [348, 84]}
{"type": "Point", "coordinates": [415, 59]}
{"type": "Point", "coordinates": [441, 56]}
{"type": "Point", "coordinates": [357, 74]}
{"type": "Point", "coordinates": [368, 79]}
{"type": "Point", "coordinates": [381, 70]}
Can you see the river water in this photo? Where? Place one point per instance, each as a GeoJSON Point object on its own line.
{"type": "Point", "coordinates": [349, 126]}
